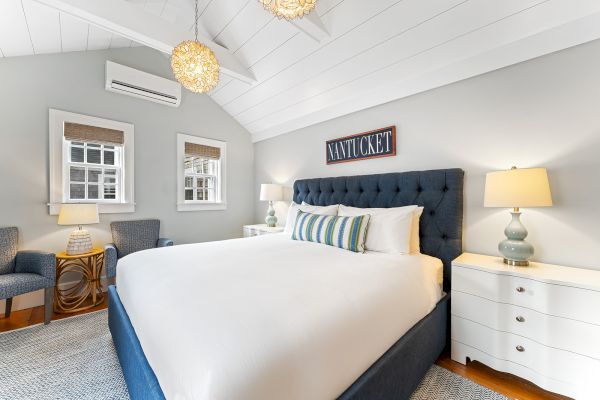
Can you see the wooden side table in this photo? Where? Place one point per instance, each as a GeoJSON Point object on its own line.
{"type": "Point", "coordinates": [87, 292]}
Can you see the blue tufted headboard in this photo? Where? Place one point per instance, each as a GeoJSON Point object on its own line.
{"type": "Point", "coordinates": [439, 191]}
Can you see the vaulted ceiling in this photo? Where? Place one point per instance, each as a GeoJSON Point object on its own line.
{"type": "Point", "coordinates": [348, 55]}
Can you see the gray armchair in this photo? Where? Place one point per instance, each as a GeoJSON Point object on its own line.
{"type": "Point", "coordinates": [25, 271]}
{"type": "Point", "coordinates": [129, 237]}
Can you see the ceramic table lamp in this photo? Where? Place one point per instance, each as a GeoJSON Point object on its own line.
{"type": "Point", "coordinates": [271, 192]}
{"type": "Point", "coordinates": [517, 188]}
{"type": "Point", "coordinates": [80, 240]}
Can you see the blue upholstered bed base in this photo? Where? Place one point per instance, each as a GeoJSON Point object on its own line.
{"type": "Point", "coordinates": [141, 381]}
{"type": "Point", "coordinates": [398, 372]}
{"type": "Point", "coordinates": [394, 376]}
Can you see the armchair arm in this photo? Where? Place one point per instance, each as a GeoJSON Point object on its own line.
{"type": "Point", "coordinates": [164, 242]}
{"type": "Point", "coordinates": [37, 262]}
{"type": "Point", "coordinates": [110, 260]}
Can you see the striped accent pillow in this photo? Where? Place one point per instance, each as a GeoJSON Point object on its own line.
{"type": "Point", "coordinates": [344, 232]}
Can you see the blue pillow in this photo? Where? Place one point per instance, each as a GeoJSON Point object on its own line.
{"type": "Point", "coordinates": [344, 232]}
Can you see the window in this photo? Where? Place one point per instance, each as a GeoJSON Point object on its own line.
{"type": "Point", "coordinates": [201, 173]}
{"type": "Point", "coordinates": [94, 172]}
{"type": "Point", "coordinates": [91, 161]}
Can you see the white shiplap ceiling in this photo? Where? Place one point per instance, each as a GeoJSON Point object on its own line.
{"type": "Point", "coordinates": [375, 51]}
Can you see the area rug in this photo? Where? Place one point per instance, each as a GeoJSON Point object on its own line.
{"type": "Point", "coordinates": [74, 358]}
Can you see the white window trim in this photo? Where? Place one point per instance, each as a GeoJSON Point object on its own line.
{"type": "Point", "coordinates": [57, 119]}
{"type": "Point", "coordinates": [182, 205]}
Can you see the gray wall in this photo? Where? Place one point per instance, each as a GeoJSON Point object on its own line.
{"type": "Point", "coordinates": [539, 113]}
{"type": "Point", "coordinates": [75, 82]}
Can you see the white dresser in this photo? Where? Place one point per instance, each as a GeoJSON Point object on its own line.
{"type": "Point", "coordinates": [261, 229]}
{"type": "Point", "coordinates": [540, 322]}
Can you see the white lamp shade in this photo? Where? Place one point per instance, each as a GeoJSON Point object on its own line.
{"type": "Point", "coordinates": [271, 192]}
{"type": "Point", "coordinates": [526, 187]}
{"type": "Point", "coordinates": [78, 214]}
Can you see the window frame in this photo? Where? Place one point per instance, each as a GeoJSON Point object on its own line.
{"type": "Point", "coordinates": [59, 157]}
{"type": "Point", "coordinates": [221, 181]}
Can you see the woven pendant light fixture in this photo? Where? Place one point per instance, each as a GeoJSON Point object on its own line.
{"type": "Point", "coordinates": [194, 64]}
{"type": "Point", "coordinates": [289, 9]}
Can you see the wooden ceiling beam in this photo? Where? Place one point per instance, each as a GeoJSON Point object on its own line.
{"type": "Point", "coordinates": [133, 22]}
{"type": "Point", "coordinates": [312, 25]}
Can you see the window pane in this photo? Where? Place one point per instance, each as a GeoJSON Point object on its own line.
{"type": "Point", "coordinates": [94, 175]}
{"type": "Point", "coordinates": [108, 147]}
{"type": "Point", "coordinates": [77, 144]}
{"type": "Point", "coordinates": [110, 179]}
{"type": "Point", "coordinates": [110, 192]}
{"type": "Point", "coordinates": [189, 182]}
{"type": "Point", "coordinates": [189, 194]}
{"type": "Point", "coordinates": [110, 171]}
{"type": "Point", "coordinates": [76, 154]}
{"type": "Point", "coordinates": [109, 157]}
{"type": "Point", "coordinates": [188, 165]}
{"type": "Point", "coordinates": [93, 155]}
{"type": "Point", "coordinates": [93, 192]}
{"type": "Point", "coordinates": [77, 174]}
{"type": "Point", "coordinates": [77, 191]}
{"type": "Point", "coordinates": [200, 194]}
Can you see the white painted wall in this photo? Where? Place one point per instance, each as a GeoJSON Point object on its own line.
{"type": "Point", "coordinates": [75, 82]}
{"type": "Point", "coordinates": [543, 112]}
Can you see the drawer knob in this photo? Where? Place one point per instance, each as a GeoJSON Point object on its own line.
{"type": "Point", "coordinates": [520, 348]}
{"type": "Point", "coordinates": [520, 319]}
{"type": "Point", "coordinates": [520, 289]}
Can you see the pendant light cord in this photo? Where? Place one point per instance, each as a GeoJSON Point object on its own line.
{"type": "Point", "coordinates": [196, 21]}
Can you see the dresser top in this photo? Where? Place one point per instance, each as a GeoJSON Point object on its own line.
{"type": "Point", "coordinates": [578, 277]}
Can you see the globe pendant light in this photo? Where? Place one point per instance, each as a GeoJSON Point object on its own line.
{"type": "Point", "coordinates": [289, 9]}
{"type": "Point", "coordinates": [194, 64]}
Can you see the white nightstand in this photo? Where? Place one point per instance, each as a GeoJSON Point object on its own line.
{"type": "Point", "coordinates": [260, 229]}
{"type": "Point", "coordinates": [541, 322]}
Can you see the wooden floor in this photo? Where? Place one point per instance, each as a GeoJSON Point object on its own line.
{"type": "Point", "coordinates": [506, 384]}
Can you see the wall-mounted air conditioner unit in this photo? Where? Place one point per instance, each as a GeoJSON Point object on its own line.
{"type": "Point", "coordinates": [132, 82]}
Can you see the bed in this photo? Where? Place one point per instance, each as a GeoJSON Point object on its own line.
{"type": "Point", "coordinates": [352, 330]}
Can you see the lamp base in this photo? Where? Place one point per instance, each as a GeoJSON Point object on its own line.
{"type": "Point", "coordinates": [515, 263]}
{"type": "Point", "coordinates": [80, 242]}
{"type": "Point", "coordinates": [271, 219]}
{"type": "Point", "coordinates": [515, 249]}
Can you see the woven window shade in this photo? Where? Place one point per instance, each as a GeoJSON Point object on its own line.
{"type": "Point", "coordinates": [94, 134]}
{"type": "Point", "coordinates": [200, 150]}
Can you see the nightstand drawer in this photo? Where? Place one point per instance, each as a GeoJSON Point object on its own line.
{"type": "Point", "coordinates": [558, 300]}
{"type": "Point", "coordinates": [461, 352]}
{"type": "Point", "coordinates": [552, 363]}
{"type": "Point", "coordinates": [562, 333]}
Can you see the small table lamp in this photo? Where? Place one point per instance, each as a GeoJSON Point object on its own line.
{"type": "Point", "coordinates": [515, 188]}
{"type": "Point", "coordinates": [80, 240]}
{"type": "Point", "coordinates": [271, 192]}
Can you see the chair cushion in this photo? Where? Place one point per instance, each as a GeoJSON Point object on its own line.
{"type": "Point", "coordinates": [8, 249]}
{"type": "Point", "coordinates": [132, 236]}
{"type": "Point", "coordinates": [15, 284]}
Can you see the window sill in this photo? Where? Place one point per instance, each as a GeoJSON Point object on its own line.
{"type": "Point", "coordinates": [116, 208]}
{"type": "Point", "coordinates": [201, 206]}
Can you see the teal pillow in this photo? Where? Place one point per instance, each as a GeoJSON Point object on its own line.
{"type": "Point", "coordinates": [344, 232]}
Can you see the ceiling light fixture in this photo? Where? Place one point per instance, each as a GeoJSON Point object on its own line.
{"type": "Point", "coordinates": [194, 64]}
{"type": "Point", "coordinates": [289, 9]}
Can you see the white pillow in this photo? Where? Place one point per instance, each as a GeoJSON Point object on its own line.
{"type": "Point", "coordinates": [293, 212]}
{"type": "Point", "coordinates": [390, 229]}
{"type": "Point", "coordinates": [415, 240]}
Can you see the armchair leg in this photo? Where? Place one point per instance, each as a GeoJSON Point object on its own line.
{"type": "Point", "coordinates": [48, 303]}
{"type": "Point", "coordinates": [8, 308]}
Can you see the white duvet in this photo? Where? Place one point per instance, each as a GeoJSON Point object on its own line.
{"type": "Point", "coordinates": [269, 317]}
